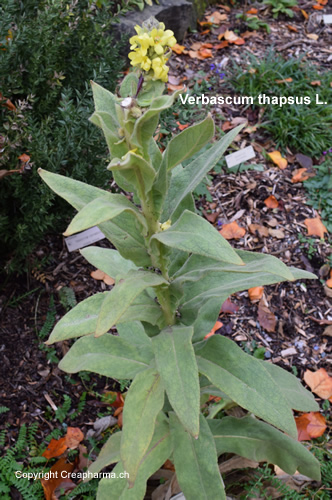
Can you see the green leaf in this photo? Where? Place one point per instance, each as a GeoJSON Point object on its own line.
{"type": "Point", "coordinates": [133, 166]}
{"type": "Point", "coordinates": [135, 334]}
{"type": "Point", "coordinates": [109, 261]}
{"type": "Point", "coordinates": [122, 295]}
{"type": "Point", "coordinates": [144, 308]}
{"type": "Point", "coordinates": [185, 180]}
{"type": "Point", "coordinates": [297, 396]}
{"type": "Point", "coordinates": [144, 401]}
{"type": "Point", "coordinates": [256, 440]}
{"type": "Point", "coordinates": [79, 321]}
{"type": "Point", "coordinates": [177, 366]}
{"type": "Point", "coordinates": [122, 231]}
{"type": "Point", "coordinates": [196, 462]}
{"type": "Point", "coordinates": [104, 100]}
{"type": "Point", "coordinates": [159, 451]}
{"type": "Point", "coordinates": [108, 355]}
{"type": "Point", "coordinates": [147, 123]}
{"type": "Point", "coordinates": [128, 86]}
{"type": "Point", "coordinates": [116, 144]}
{"type": "Point", "coordinates": [244, 379]}
{"type": "Point", "coordinates": [100, 210]}
{"type": "Point", "coordinates": [205, 284]}
{"type": "Point", "coordinates": [191, 233]}
{"type": "Point", "coordinates": [188, 142]}
{"type": "Point", "coordinates": [109, 454]}
{"type": "Point", "coordinates": [150, 90]}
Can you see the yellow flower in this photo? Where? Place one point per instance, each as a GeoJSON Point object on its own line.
{"type": "Point", "coordinates": [139, 59]}
{"type": "Point", "coordinates": [160, 69]}
{"type": "Point", "coordinates": [149, 47]}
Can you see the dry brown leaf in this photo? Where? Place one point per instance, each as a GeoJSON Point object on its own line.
{"type": "Point", "coordinates": [262, 231]}
{"type": "Point", "coordinates": [178, 49]}
{"type": "Point", "coordinates": [214, 329]}
{"type": "Point", "coordinates": [316, 83]}
{"type": "Point", "coordinates": [329, 281]}
{"type": "Point", "coordinates": [315, 227]}
{"type": "Point", "coordinates": [221, 45]}
{"type": "Point", "coordinates": [73, 437]}
{"type": "Point", "coordinates": [230, 36]}
{"type": "Point", "coordinates": [319, 382]}
{"type": "Point", "coordinates": [232, 231]}
{"type": "Point", "coordinates": [100, 275]}
{"type": "Point", "coordinates": [277, 233]}
{"type": "Point", "coordinates": [256, 293]}
{"type": "Point", "coordinates": [304, 13]}
{"type": "Point", "coordinates": [300, 175]}
{"type": "Point", "coordinates": [56, 481]}
{"type": "Point", "coordinates": [285, 80]}
{"type": "Point", "coordinates": [271, 202]}
{"type": "Point", "coordinates": [278, 159]}
{"type": "Point", "coordinates": [266, 318]}
{"type": "Point", "coordinates": [310, 425]}
{"type": "Point", "coordinates": [229, 307]}
{"type": "Point", "coordinates": [313, 36]}
{"type": "Point", "coordinates": [216, 17]}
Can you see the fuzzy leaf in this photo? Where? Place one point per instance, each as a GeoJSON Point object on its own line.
{"type": "Point", "coordinates": [109, 454]}
{"type": "Point", "coordinates": [109, 356]}
{"type": "Point", "coordinates": [185, 180]}
{"type": "Point", "coordinates": [256, 440]}
{"type": "Point", "coordinates": [100, 210]}
{"type": "Point", "coordinates": [195, 235]}
{"type": "Point", "coordinates": [196, 462]}
{"type": "Point", "coordinates": [144, 401]}
{"type": "Point", "coordinates": [177, 366]}
{"type": "Point", "coordinates": [188, 142]}
{"type": "Point", "coordinates": [244, 379]}
{"type": "Point", "coordinates": [122, 295]}
{"type": "Point", "coordinates": [109, 261]}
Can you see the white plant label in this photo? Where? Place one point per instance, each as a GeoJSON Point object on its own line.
{"type": "Point", "coordinates": [84, 238]}
{"type": "Point", "coordinates": [240, 156]}
{"type": "Point", "coordinates": [327, 18]}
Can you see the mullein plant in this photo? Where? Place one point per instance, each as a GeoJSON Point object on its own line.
{"type": "Point", "coordinates": [172, 271]}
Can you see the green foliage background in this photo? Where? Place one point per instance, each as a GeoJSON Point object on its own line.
{"type": "Point", "coordinates": [54, 48]}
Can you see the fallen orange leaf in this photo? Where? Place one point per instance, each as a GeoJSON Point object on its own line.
{"type": "Point", "coordinates": [329, 281]}
{"type": "Point", "coordinates": [214, 329]}
{"type": "Point", "coordinates": [25, 158]}
{"type": "Point", "coordinates": [204, 23]}
{"type": "Point", "coordinates": [305, 15]}
{"type": "Point", "coordinates": [256, 293]}
{"type": "Point", "coordinates": [73, 437]}
{"type": "Point", "coordinates": [300, 175]}
{"type": "Point", "coordinates": [316, 83]}
{"type": "Point", "coordinates": [182, 127]}
{"type": "Point", "coordinates": [59, 469]}
{"type": "Point", "coordinates": [315, 227]}
{"type": "Point", "coordinates": [259, 230]}
{"type": "Point", "coordinates": [285, 80]}
{"type": "Point", "coordinates": [322, 2]}
{"type": "Point", "coordinates": [221, 45]}
{"type": "Point", "coordinates": [100, 275]}
{"type": "Point", "coordinates": [278, 159]}
{"type": "Point", "coordinates": [310, 425]}
{"type": "Point", "coordinates": [319, 382]}
{"type": "Point", "coordinates": [176, 87]}
{"type": "Point", "coordinates": [55, 448]}
{"type": "Point", "coordinates": [178, 49]}
{"type": "Point", "coordinates": [239, 41]}
{"type": "Point", "coordinates": [232, 231]}
{"type": "Point", "coordinates": [252, 11]}
{"type": "Point", "coordinates": [216, 17]}
{"type": "Point", "coordinates": [271, 202]}
{"type": "Point", "coordinates": [292, 28]}
{"type": "Point", "coordinates": [318, 7]}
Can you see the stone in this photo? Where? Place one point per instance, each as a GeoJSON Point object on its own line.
{"type": "Point", "coordinates": [177, 15]}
